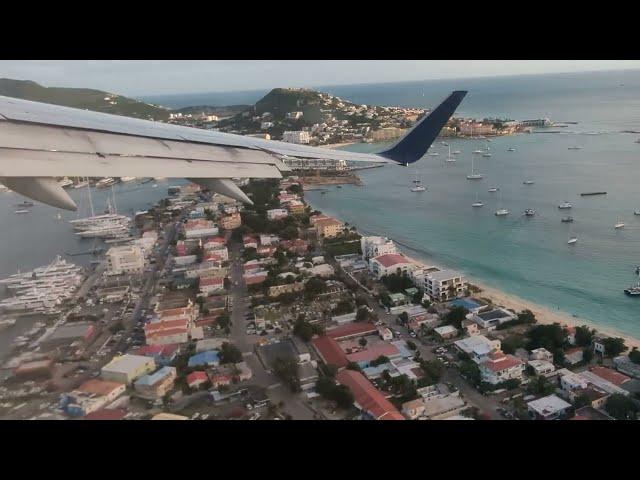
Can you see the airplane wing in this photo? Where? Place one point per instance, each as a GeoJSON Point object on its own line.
{"type": "Point", "coordinates": [40, 141]}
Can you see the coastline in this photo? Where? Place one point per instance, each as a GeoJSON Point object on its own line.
{"type": "Point", "coordinates": [337, 145]}
{"type": "Point", "coordinates": [544, 315]}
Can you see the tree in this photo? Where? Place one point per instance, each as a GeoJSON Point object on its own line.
{"type": "Point", "coordinates": [313, 287]}
{"type": "Point", "coordinates": [226, 283]}
{"type": "Point", "coordinates": [343, 307]}
{"type": "Point", "coordinates": [455, 316]}
{"type": "Point", "coordinates": [551, 337]}
{"type": "Point", "coordinates": [286, 369]}
{"type": "Point", "coordinates": [469, 370]}
{"type": "Point", "coordinates": [224, 320]}
{"type": "Point", "coordinates": [584, 336]}
{"type": "Point", "coordinates": [362, 315]}
{"type": "Point", "coordinates": [353, 366]}
{"type": "Point", "coordinates": [411, 345]}
{"type": "Point", "coordinates": [229, 353]}
{"type": "Point", "coordinates": [621, 407]}
{"type": "Point", "coordinates": [433, 370]}
{"type": "Point", "coordinates": [362, 342]}
{"type": "Point", "coordinates": [614, 346]}
{"type": "Point", "coordinates": [404, 318]}
{"type": "Point", "coordinates": [116, 327]}
{"type": "Point", "coordinates": [379, 361]}
{"type": "Point", "coordinates": [540, 386]}
{"type": "Point", "coordinates": [587, 355]}
{"type": "Point", "coordinates": [634, 355]}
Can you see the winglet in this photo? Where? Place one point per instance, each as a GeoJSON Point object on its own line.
{"type": "Point", "coordinates": [415, 143]}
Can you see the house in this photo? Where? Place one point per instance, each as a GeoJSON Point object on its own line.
{"type": "Point", "coordinates": [446, 332]}
{"type": "Point", "coordinates": [498, 368]}
{"type": "Point", "coordinates": [444, 407]}
{"type": "Point", "coordinates": [542, 367]}
{"type": "Point", "coordinates": [444, 285]}
{"type": "Point", "coordinates": [624, 364]}
{"type": "Point", "coordinates": [571, 335]}
{"type": "Point", "coordinates": [277, 213]}
{"type": "Point", "coordinates": [196, 379]}
{"type": "Point", "coordinates": [550, 407]}
{"type": "Point", "coordinates": [590, 413]}
{"type": "Point", "coordinates": [413, 408]}
{"type": "Point", "coordinates": [470, 327]}
{"type": "Point", "coordinates": [610, 375]}
{"type": "Point", "coordinates": [367, 398]}
{"type": "Point", "coordinates": [157, 384]}
{"type": "Point", "coordinates": [162, 354]}
{"type": "Point", "coordinates": [277, 290]}
{"type": "Point", "coordinates": [375, 246]}
{"type": "Point", "coordinates": [229, 222]}
{"type": "Point", "coordinates": [92, 395]}
{"type": "Point", "coordinates": [493, 318]}
{"type": "Point", "coordinates": [541, 354]}
{"type": "Point", "coordinates": [127, 368]}
{"type": "Point", "coordinates": [328, 228]}
{"type": "Point", "coordinates": [573, 356]}
{"type": "Point", "coordinates": [295, 207]}
{"type": "Point", "coordinates": [364, 357]}
{"type": "Point", "coordinates": [477, 347]}
{"type": "Point", "coordinates": [570, 381]}
{"type": "Point", "coordinates": [598, 344]}
{"type": "Point", "coordinates": [211, 285]}
{"type": "Point", "coordinates": [389, 263]}
{"type": "Point", "coordinates": [385, 333]}
{"type": "Point", "coordinates": [602, 383]}
{"type": "Point", "coordinates": [124, 259]}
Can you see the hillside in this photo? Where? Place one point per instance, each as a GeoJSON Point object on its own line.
{"type": "Point", "coordinates": [84, 98]}
{"type": "Point", "coordinates": [227, 111]}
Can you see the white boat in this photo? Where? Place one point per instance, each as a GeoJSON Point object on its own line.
{"type": "Point", "coordinates": [511, 149]}
{"type": "Point", "coordinates": [572, 240]}
{"type": "Point", "coordinates": [127, 179]}
{"type": "Point", "coordinates": [473, 175]}
{"type": "Point", "coordinates": [574, 148]}
{"type": "Point", "coordinates": [450, 159]}
{"type": "Point", "coordinates": [528, 182]}
{"type": "Point", "coordinates": [456, 152]}
{"type": "Point", "coordinates": [501, 212]}
{"type": "Point", "coordinates": [477, 203]}
{"type": "Point", "coordinates": [619, 224]}
{"type": "Point", "coordinates": [493, 189]}
{"type": "Point", "coordinates": [65, 182]}
{"type": "Point", "coordinates": [478, 151]}
{"type": "Point", "coordinates": [22, 211]}
{"type": "Point", "coordinates": [105, 182]}
{"type": "Point", "coordinates": [636, 212]}
{"type": "Point", "coordinates": [565, 205]}
{"type": "Point", "coordinates": [417, 186]}
{"type": "Point", "coordinates": [81, 184]}
{"type": "Point", "coordinates": [434, 154]}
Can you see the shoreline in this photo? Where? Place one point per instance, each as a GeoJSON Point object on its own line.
{"type": "Point", "coordinates": [544, 315]}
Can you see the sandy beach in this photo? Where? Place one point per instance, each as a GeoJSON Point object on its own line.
{"type": "Point", "coordinates": [543, 314]}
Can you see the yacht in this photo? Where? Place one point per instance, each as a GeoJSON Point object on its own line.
{"type": "Point", "coordinates": [22, 211]}
{"type": "Point", "coordinates": [81, 184]}
{"type": "Point", "coordinates": [634, 290]}
{"type": "Point", "coordinates": [529, 212]}
{"type": "Point", "coordinates": [65, 182]}
{"type": "Point", "coordinates": [636, 212]}
{"type": "Point", "coordinates": [567, 220]}
{"type": "Point", "coordinates": [572, 240]}
{"type": "Point", "coordinates": [565, 205]}
{"type": "Point", "coordinates": [473, 176]}
{"type": "Point", "coordinates": [417, 187]}
{"type": "Point", "coordinates": [477, 203]}
{"type": "Point", "coordinates": [456, 152]}
{"type": "Point", "coordinates": [450, 159]}
{"type": "Point", "coordinates": [486, 154]}
{"type": "Point", "coordinates": [478, 151]}
{"type": "Point", "coordinates": [528, 182]}
{"type": "Point", "coordinates": [501, 212]}
{"type": "Point", "coordinates": [127, 179]}
{"type": "Point", "coordinates": [511, 149]}
{"type": "Point", "coordinates": [434, 154]}
{"type": "Point", "coordinates": [493, 189]}
{"type": "Point", "coordinates": [105, 182]}
{"type": "Point", "coordinates": [574, 148]}
{"type": "Point", "coordinates": [619, 224]}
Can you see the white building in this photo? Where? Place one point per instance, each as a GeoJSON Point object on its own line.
{"type": "Point", "coordinates": [541, 354]}
{"type": "Point", "coordinates": [542, 367]}
{"type": "Point", "coordinates": [444, 285]}
{"type": "Point", "coordinates": [125, 259]}
{"type": "Point", "coordinates": [266, 125]}
{"type": "Point", "coordinates": [493, 318]}
{"type": "Point", "coordinates": [276, 213]}
{"type": "Point", "coordinates": [300, 137]}
{"type": "Point", "coordinates": [389, 263]}
{"type": "Point", "coordinates": [127, 368]}
{"type": "Point", "coordinates": [548, 408]}
{"type": "Point", "coordinates": [375, 246]}
{"type": "Point", "coordinates": [294, 115]}
{"type": "Point", "coordinates": [478, 347]}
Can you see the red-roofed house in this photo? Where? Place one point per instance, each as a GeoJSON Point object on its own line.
{"type": "Point", "coordinates": [366, 397]}
{"type": "Point", "coordinates": [299, 246]}
{"type": "Point", "coordinates": [211, 285]}
{"type": "Point", "coordinates": [329, 351]}
{"type": "Point", "coordinates": [498, 368]}
{"type": "Point", "coordinates": [195, 379]}
{"type": "Point", "coordinates": [254, 278]}
{"type": "Point", "coordinates": [351, 330]}
{"type": "Point", "coordinates": [365, 356]}
{"type": "Point", "coordinates": [389, 263]}
{"type": "Point", "coordinates": [610, 375]}
{"type": "Point", "coordinates": [250, 241]}
{"type": "Point", "coordinates": [218, 379]}
{"type": "Point", "coordinates": [162, 354]}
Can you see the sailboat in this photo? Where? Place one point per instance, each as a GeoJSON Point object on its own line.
{"type": "Point", "coordinates": [477, 203]}
{"type": "Point", "coordinates": [619, 224]}
{"type": "Point", "coordinates": [486, 154]}
{"type": "Point", "coordinates": [634, 290]}
{"type": "Point", "coordinates": [473, 176]}
{"type": "Point", "coordinates": [511, 149]}
{"type": "Point", "coordinates": [501, 212]}
{"type": "Point", "coordinates": [450, 159]}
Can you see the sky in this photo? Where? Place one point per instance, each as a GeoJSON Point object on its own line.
{"type": "Point", "coordinates": [156, 77]}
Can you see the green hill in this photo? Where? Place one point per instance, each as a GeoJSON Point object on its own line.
{"type": "Point", "coordinates": [84, 98]}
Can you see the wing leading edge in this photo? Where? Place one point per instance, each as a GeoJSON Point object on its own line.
{"type": "Point", "coordinates": [39, 141]}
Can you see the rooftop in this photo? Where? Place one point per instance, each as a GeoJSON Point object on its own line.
{"type": "Point", "coordinates": [389, 259]}
{"type": "Point", "coordinates": [548, 405]}
{"type": "Point", "coordinates": [610, 375]}
{"type": "Point", "coordinates": [352, 329]}
{"type": "Point", "coordinates": [444, 275]}
{"type": "Point", "coordinates": [98, 387]}
{"type": "Point", "coordinates": [330, 351]}
{"type": "Point", "coordinates": [367, 396]}
{"type": "Point", "coordinates": [126, 363]}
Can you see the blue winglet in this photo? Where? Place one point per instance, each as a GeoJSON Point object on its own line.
{"type": "Point", "coordinates": [415, 143]}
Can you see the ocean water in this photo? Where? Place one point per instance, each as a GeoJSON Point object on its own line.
{"type": "Point", "coordinates": [527, 257]}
